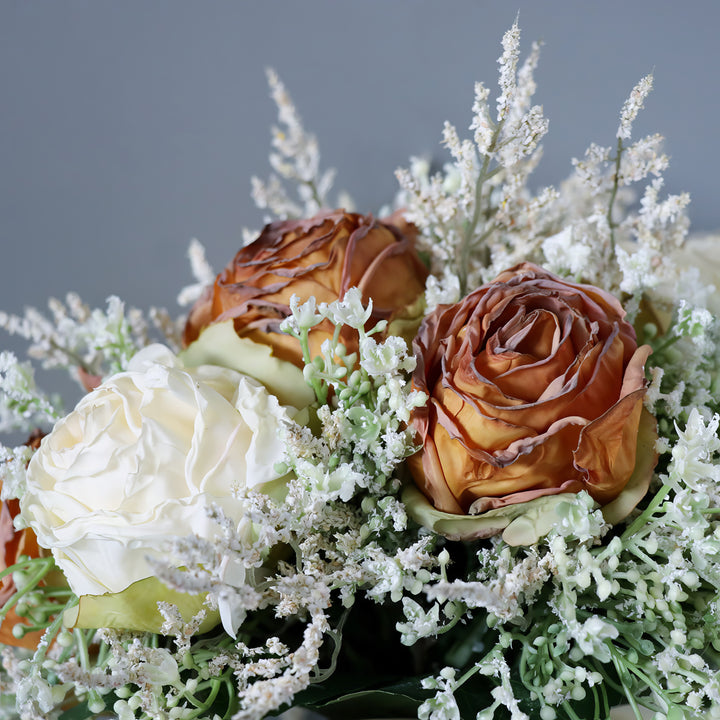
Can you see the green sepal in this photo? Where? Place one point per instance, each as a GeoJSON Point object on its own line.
{"type": "Point", "coordinates": [135, 608]}
{"type": "Point", "coordinates": [521, 523]}
{"type": "Point", "coordinates": [220, 345]}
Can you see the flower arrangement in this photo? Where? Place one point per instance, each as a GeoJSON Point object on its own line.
{"type": "Point", "coordinates": [461, 461]}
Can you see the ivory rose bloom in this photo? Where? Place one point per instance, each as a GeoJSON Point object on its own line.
{"type": "Point", "coordinates": [536, 388]}
{"type": "Point", "coordinates": [140, 461]}
{"type": "Point", "coordinates": [321, 257]}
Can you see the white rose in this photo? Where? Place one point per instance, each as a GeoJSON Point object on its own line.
{"type": "Point", "coordinates": [139, 462]}
{"type": "Point", "coordinates": [703, 252]}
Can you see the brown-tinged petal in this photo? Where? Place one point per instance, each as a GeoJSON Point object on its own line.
{"type": "Point", "coordinates": [606, 451]}
{"type": "Point", "coordinates": [321, 257]}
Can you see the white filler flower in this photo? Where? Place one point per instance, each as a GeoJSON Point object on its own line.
{"type": "Point", "coordinates": [140, 461]}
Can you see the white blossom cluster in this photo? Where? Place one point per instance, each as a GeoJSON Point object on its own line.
{"type": "Point", "coordinates": [604, 238]}
{"type": "Point", "coordinates": [202, 272]}
{"type": "Point", "coordinates": [477, 216]}
{"type": "Point", "coordinates": [642, 606]}
{"type": "Point", "coordinates": [296, 161]}
{"type": "Point", "coordinates": [685, 336]}
{"type": "Point", "coordinates": [363, 434]}
{"type": "Point", "coordinates": [89, 343]}
{"type": "Point", "coordinates": [21, 402]}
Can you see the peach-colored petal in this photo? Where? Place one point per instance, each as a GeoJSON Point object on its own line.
{"type": "Point", "coordinates": [646, 457]}
{"type": "Point", "coordinates": [425, 466]}
{"type": "Point", "coordinates": [483, 504]}
{"type": "Point", "coordinates": [634, 378]}
{"type": "Point", "coordinates": [607, 447]}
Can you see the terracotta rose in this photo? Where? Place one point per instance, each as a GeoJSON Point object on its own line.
{"type": "Point", "coordinates": [322, 257]}
{"type": "Point", "coordinates": [536, 388]}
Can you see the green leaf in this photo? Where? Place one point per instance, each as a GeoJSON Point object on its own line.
{"type": "Point", "coordinates": [344, 697]}
{"type": "Point", "coordinates": [135, 608]}
{"type": "Point", "coordinates": [370, 704]}
{"type": "Point", "coordinates": [219, 345]}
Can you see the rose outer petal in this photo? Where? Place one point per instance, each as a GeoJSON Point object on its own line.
{"type": "Point", "coordinates": [646, 457]}
{"type": "Point", "coordinates": [526, 522]}
{"type": "Point", "coordinates": [607, 447]}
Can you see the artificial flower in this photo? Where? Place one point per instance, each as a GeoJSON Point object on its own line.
{"type": "Point", "coordinates": [142, 460]}
{"type": "Point", "coordinates": [536, 388]}
{"type": "Point", "coordinates": [322, 257]}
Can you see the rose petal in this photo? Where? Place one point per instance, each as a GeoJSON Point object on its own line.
{"type": "Point", "coordinates": [637, 486]}
{"type": "Point", "coordinates": [322, 257]}
{"type": "Point", "coordinates": [607, 448]}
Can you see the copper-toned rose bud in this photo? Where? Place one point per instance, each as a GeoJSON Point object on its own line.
{"type": "Point", "coordinates": [321, 257]}
{"type": "Point", "coordinates": [87, 380]}
{"type": "Point", "coordinates": [535, 386]}
{"type": "Point", "coordinates": [35, 438]}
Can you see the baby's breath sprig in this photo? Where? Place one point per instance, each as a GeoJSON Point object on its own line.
{"type": "Point", "coordinates": [478, 209]}
{"type": "Point", "coordinates": [365, 399]}
{"type": "Point", "coordinates": [22, 404]}
{"type": "Point", "coordinates": [477, 217]}
{"type": "Point", "coordinates": [683, 362]}
{"type": "Point", "coordinates": [296, 160]}
{"type": "Point", "coordinates": [600, 237]}
{"type": "Point", "coordinates": [96, 342]}
{"type": "Point", "coordinates": [589, 624]}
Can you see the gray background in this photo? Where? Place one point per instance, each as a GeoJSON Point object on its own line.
{"type": "Point", "coordinates": [128, 128]}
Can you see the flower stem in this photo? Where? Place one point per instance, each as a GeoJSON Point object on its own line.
{"type": "Point", "coordinates": [613, 194]}
{"type": "Point", "coordinates": [642, 519]}
{"type": "Point", "coordinates": [51, 632]}
{"type": "Point", "coordinates": [44, 565]}
{"type": "Point", "coordinates": [470, 227]}
{"type": "Point", "coordinates": [571, 713]}
{"type": "Point", "coordinates": [336, 637]}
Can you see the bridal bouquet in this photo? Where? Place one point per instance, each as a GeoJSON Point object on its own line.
{"type": "Point", "coordinates": [457, 461]}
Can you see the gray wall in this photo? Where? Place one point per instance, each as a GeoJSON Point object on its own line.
{"type": "Point", "coordinates": [128, 127]}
